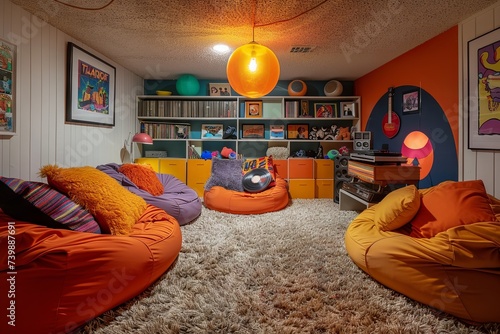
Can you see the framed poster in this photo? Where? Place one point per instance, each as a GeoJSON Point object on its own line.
{"type": "Point", "coordinates": [253, 109]}
{"type": "Point", "coordinates": [484, 85]}
{"type": "Point", "coordinates": [348, 110]}
{"type": "Point", "coordinates": [90, 91]}
{"type": "Point", "coordinates": [325, 110]}
{"type": "Point", "coordinates": [252, 131]}
{"type": "Point", "coordinates": [411, 102]}
{"type": "Point", "coordinates": [211, 131]}
{"type": "Point", "coordinates": [7, 87]}
{"type": "Point", "coordinates": [297, 131]}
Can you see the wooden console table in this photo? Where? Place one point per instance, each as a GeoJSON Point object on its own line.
{"type": "Point", "coordinates": [380, 174]}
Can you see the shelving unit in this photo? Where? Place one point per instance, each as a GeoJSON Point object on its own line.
{"type": "Point", "coordinates": [163, 116]}
{"type": "Point", "coordinates": [176, 124]}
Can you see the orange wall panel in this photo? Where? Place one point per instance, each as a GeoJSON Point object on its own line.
{"type": "Point", "coordinates": [432, 66]}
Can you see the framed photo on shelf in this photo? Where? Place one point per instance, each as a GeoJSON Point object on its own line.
{"type": "Point", "coordinates": [411, 102]}
{"type": "Point", "coordinates": [253, 109]}
{"type": "Point", "coordinates": [304, 109]}
{"type": "Point", "coordinates": [212, 131]}
{"type": "Point", "coordinates": [325, 110]}
{"type": "Point", "coordinates": [7, 87]}
{"type": "Point", "coordinates": [297, 131]}
{"type": "Point", "coordinates": [483, 108]}
{"type": "Point", "coordinates": [277, 132]}
{"type": "Point", "coordinates": [219, 89]}
{"type": "Point", "coordinates": [252, 131]}
{"type": "Point", "coordinates": [348, 109]}
{"type": "Point", "coordinates": [90, 90]}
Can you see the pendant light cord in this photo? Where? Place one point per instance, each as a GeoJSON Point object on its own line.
{"type": "Point", "coordinates": [84, 8]}
{"type": "Point", "coordinates": [284, 20]}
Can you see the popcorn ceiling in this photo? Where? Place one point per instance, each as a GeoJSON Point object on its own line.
{"type": "Point", "coordinates": [164, 39]}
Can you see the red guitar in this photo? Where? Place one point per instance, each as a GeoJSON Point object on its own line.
{"type": "Point", "coordinates": [391, 122]}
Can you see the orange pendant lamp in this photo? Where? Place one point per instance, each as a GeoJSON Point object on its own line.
{"type": "Point", "coordinates": [253, 70]}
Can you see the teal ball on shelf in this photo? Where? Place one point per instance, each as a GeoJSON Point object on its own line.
{"type": "Point", "coordinates": [187, 84]}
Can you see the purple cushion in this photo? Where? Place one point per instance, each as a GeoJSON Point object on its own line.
{"type": "Point", "coordinates": [178, 200]}
{"type": "Point", "coordinates": [38, 203]}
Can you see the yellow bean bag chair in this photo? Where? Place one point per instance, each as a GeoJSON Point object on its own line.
{"type": "Point", "coordinates": [439, 246]}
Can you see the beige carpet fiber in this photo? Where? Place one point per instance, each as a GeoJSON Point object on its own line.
{"type": "Point", "coordinates": [280, 272]}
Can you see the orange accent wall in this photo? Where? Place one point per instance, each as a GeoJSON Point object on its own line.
{"type": "Point", "coordinates": [433, 66]}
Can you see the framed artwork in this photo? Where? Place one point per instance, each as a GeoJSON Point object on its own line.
{"type": "Point", "coordinates": [253, 109]}
{"type": "Point", "coordinates": [7, 87]}
{"type": "Point", "coordinates": [348, 110]}
{"type": "Point", "coordinates": [277, 132]}
{"type": "Point", "coordinates": [211, 131]}
{"type": "Point", "coordinates": [484, 101]}
{"type": "Point", "coordinates": [252, 131]}
{"type": "Point", "coordinates": [90, 91]}
{"type": "Point", "coordinates": [411, 102]}
{"type": "Point", "coordinates": [219, 89]}
{"type": "Point", "coordinates": [325, 110]}
{"type": "Point", "coordinates": [304, 109]}
{"type": "Point", "coordinates": [297, 131]}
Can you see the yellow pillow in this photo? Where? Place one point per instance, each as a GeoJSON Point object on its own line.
{"type": "Point", "coordinates": [397, 208]}
{"type": "Point", "coordinates": [115, 208]}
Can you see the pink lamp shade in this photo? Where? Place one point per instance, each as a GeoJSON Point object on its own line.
{"type": "Point", "coordinates": [142, 138]}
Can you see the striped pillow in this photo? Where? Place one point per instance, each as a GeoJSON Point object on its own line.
{"type": "Point", "coordinates": [38, 203]}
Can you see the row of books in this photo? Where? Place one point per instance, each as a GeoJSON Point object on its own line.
{"type": "Point", "coordinates": [166, 130]}
{"type": "Point", "coordinates": [184, 108]}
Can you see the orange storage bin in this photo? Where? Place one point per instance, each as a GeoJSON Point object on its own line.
{"type": "Point", "coordinates": [299, 168]}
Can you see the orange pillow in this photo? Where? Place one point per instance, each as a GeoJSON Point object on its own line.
{"type": "Point", "coordinates": [114, 207]}
{"type": "Point", "coordinates": [144, 177]}
{"type": "Point", "coordinates": [451, 204]}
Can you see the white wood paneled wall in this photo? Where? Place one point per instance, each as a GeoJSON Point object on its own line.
{"type": "Point", "coordinates": [42, 136]}
{"type": "Point", "coordinates": [474, 164]}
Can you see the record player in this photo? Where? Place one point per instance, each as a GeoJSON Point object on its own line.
{"type": "Point", "coordinates": [368, 191]}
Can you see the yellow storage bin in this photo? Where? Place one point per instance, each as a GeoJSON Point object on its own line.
{"type": "Point", "coordinates": [175, 167]}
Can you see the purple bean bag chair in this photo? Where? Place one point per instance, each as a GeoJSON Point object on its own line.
{"type": "Point", "coordinates": [178, 200]}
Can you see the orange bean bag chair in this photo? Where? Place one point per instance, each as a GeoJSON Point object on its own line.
{"type": "Point", "coordinates": [240, 202]}
{"type": "Point", "coordinates": [439, 246]}
{"type": "Point", "coordinates": [56, 270]}
{"type": "Point", "coordinates": [61, 279]}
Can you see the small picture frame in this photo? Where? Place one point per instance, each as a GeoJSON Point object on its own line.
{"type": "Point", "coordinates": [304, 109]}
{"type": "Point", "coordinates": [277, 132]}
{"type": "Point", "coordinates": [253, 109]}
{"type": "Point", "coordinates": [325, 110]}
{"type": "Point", "coordinates": [297, 131]}
{"type": "Point", "coordinates": [252, 131]}
{"type": "Point", "coordinates": [211, 131]}
{"type": "Point", "coordinates": [219, 89]}
{"type": "Point", "coordinates": [348, 110]}
{"type": "Point", "coordinates": [411, 102]}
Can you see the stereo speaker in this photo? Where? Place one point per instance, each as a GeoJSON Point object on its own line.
{"type": "Point", "coordinates": [340, 176]}
{"type": "Point", "coordinates": [362, 140]}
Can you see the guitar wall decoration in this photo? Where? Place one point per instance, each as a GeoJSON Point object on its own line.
{"type": "Point", "coordinates": [390, 122]}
